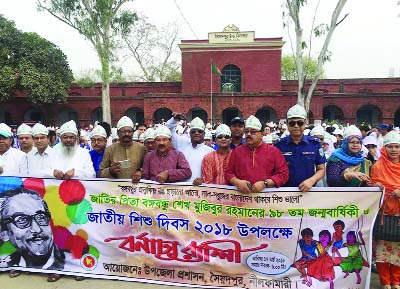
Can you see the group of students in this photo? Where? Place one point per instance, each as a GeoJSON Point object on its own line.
{"type": "Point", "coordinates": [240, 155]}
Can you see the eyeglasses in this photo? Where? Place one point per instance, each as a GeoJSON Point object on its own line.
{"type": "Point", "coordinates": [23, 221]}
{"type": "Point", "coordinates": [354, 142]}
{"type": "Point", "coordinates": [252, 132]}
{"type": "Point", "coordinates": [94, 140]}
{"type": "Point", "coordinates": [299, 123]}
{"type": "Point", "coordinates": [193, 131]}
{"type": "Point", "coordinates": [225, 136]}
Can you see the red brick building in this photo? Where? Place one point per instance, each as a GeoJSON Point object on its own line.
{"type": "Point", "coordinates": [250, 83]}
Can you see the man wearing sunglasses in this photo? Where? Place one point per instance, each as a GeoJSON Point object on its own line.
{"type": "Point", "coordinates": [304, 154]}
{"type": "Point", "coordinates": [192, 147]}
{"type": "Point", "coordinates": [255, 165]}
{"type": "Point", "coordinates": [25, 221]}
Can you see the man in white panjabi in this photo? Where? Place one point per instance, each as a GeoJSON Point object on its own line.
{"type": "Point", "coordinates": [12, 161]}
{"type": "Point", "coordinates": [39, 160]}
{"type": "Point", "coordinates": [70, 160]}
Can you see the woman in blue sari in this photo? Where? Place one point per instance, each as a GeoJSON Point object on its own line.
{"type": "Point", "coordinates": [346, 167]}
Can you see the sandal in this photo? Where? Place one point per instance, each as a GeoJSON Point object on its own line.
{"type": "Point", "coordinates": [14, 273]}
{"type": "Point", "coordinates": [54, 277]}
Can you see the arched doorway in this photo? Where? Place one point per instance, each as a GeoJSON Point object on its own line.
{"type": "Point", "coordinates": [34, 114]}
{"type": "Point", "coordinates": [230, 113]}
{"type": "Point", "coordinates": [332, 112]}
{"type": "Point", "coordinates": [197, 112]}
{"type": "Point", "coordinates": [369, 114]}
{"type": "Point", "coordinates": [66, 114]}
{"type": "Point", "coordinates": [97, 115]}
{"type": "Point", "coordinates": [266, 114]}
{"type": "Point", "coordinates": [397, 118]}
{"type": "Point", "coordinates": [161, 115]}
{"type": "Point", "coordinates": [136, 114]}
{"type": "Point", "coordinates": [5, 116]}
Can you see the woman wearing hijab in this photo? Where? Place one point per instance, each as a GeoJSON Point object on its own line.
{"type": "Point", "coordinates": [386, 173]}
{"type": "Point", "coordinates": [346, 167]}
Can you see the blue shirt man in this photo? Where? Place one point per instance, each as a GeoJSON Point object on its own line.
{"type": "Point", "coordinates": [304, 155]}
{"type": "Point", "coordinates": [99, 142]}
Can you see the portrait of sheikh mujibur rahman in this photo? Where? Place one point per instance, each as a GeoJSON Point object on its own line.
{"type": "Point", "coordinates": [25, 222]}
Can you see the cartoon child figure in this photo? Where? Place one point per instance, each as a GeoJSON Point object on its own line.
{"type": "Point", "coordinates": [354, 261]}
{"type": "Point", "coordinates": [322, 267]}
{"type": "Point", "coordinates": [308, 247]}
{"type": "Point", "coordinates": [338, 234]}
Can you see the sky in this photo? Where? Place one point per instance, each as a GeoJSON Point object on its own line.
{"type": "Point", "coordinates": [365, 45]}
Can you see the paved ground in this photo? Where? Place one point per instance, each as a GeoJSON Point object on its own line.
{"type": "Point", "coordinates": [37, 281]}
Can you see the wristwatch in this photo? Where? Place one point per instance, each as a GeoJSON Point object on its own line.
{"type": "Point", "coordinates": [266, 183]}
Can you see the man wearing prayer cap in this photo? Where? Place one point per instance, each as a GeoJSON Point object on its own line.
{"type": "Point", "coordinates": [114, 135]}
{"type": "Point", "coordinates": [70, 160]}
{"type": "Point", "coordinates": [124, 160]}
{"type": "Point", "coordinates": [149, 139]}
{"type": "Point", "coordinates": [304, 154]}
{"type": "Point", "coordinates": [40, 160]}
{"type": "Point", "coordinates": [24, 136]}
{"type": "Point", "coordinates": [215, 163]}
{"type": "Point", "coordinates": [192, 147]}
{"type": "Point", "coordinates": [255, 165]}
{"type": "Point", "coordinates": [98, 141]}
{"type": "Point", "coordinates": [208, 138]}
{"type": "Point", "coordinates": [164, 164]}
{"type": "Point", "coordinates": [13, 162]}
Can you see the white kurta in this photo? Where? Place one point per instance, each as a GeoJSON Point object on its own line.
{"type": "Point", "coordinates": [194, 155]}
{"type": "Point", "coordinates": [80, 161]}
{"type": "Point", "coordinates": [40, 165]}
{"type": "Point", "coordinates": [14, 163]}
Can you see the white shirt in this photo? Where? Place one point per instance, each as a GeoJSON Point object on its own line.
{"type": "Point", "coordinates": [80, 161]}
{"type": "Point", "coordinates": [194, 155]}
{"type": "Point", "coordinates": [40, 165]}
{"type": "Point", "coordinates": [14, 163]}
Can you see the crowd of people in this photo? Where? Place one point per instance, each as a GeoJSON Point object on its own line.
{"type": "Point", "coordinates": [245, 154]}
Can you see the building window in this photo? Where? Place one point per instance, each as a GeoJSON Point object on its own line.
{"type": "Point", "coordinates": [231, 79]}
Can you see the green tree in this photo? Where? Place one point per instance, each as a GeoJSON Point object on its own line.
{"type": "Point", "coordinates": [289, 69]}
{"type": "Point", "coordinates": [32, 64]}
{"type": "Point", "coordinates": [101, 22]}
{"type": "Point", "coordinates": [154, 50]}
{"type": "Point", "coordinates": [292, 16]}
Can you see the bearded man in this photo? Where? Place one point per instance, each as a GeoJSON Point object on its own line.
{"type": "Point", "coordinates": [70, 160]}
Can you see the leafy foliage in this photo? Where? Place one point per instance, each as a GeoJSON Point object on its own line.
{"type": "Point", "coordinates": [102, 22]}
{"type": "Point", "coordinates": [30, 63]}
{"type": "Point", "coordinates": [289, 68]}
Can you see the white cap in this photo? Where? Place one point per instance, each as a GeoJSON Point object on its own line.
{"type": "Point", "coordinates": [150, 133]}
{"type": "Point", "coordinates": [24, 129]}
{"type": "Point", "coordinates": [223, 129]}
{"type": "Point", "coordinates": [124, 121]}
{"type": "Point", "coordinates": [114, 133]}
{"type": "Point", "coordinates": [297, 111]}
{"type": "Point", "coordinates": [141, 137]}
{"type": "Point", "coordinates": [39, 128]}
{"type": "Point", "coordinates": [197, 123]}
{"type": "Point", "coordinates": [68, 127]}
{"type": "Point", "coordinates": [99, 131]}
{"type": "Point", "coordinates": [208, 135]}
{"type": "Point", "coordinates": [135, 135]}
{"type": "Point", "coordinates": [337, 131]}
{"type": "Point", "coordinates": [5, 130]}
{"type": "Point", "coordinates": [368, 140]}
{"type": "Point", "coordinates": [317, 130]}
{"type": "Point", "coordinates": [352, 131]}
{"type": "Point", "coordinates": [253, 122]}
{"type": "Point", "coordinates": [391, 137]}
{"type": "Point", "coordinates": [162, 130]}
